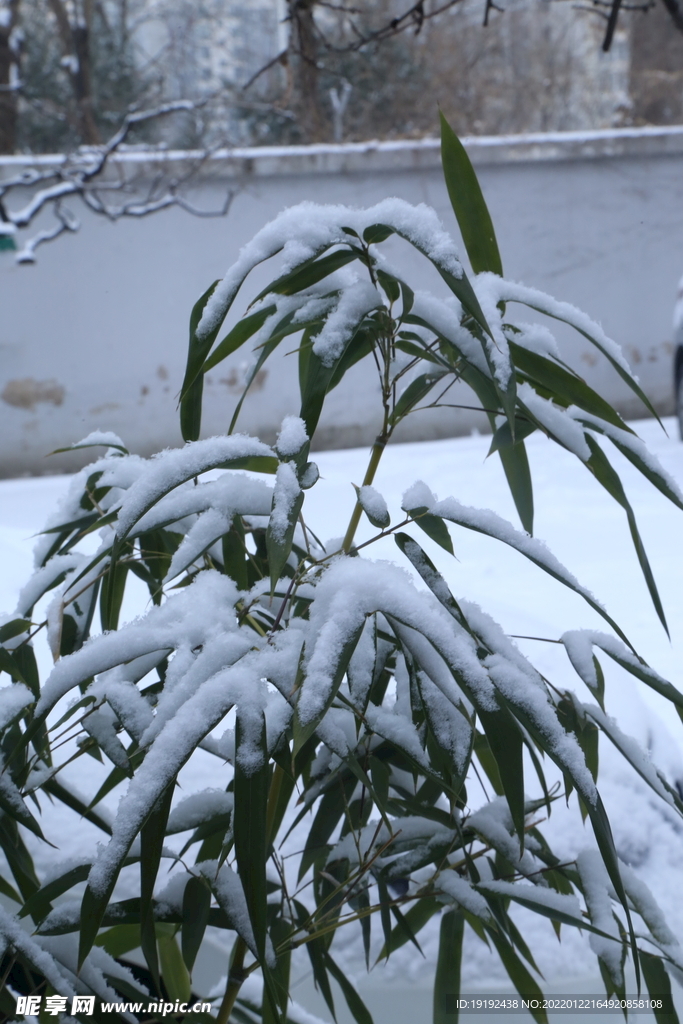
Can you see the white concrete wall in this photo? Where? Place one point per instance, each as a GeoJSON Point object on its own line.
{"type": "Point", "coordinates": [94, 335]}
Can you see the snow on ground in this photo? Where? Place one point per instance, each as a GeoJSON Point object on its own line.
{"type": "Point", "coordinates": [589, 534]}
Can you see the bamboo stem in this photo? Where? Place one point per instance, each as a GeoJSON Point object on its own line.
{"type": "Point", "coordinates": [236, 976]}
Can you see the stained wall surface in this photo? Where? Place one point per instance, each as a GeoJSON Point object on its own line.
{"type": "Point", "coordinates": [94, 334]}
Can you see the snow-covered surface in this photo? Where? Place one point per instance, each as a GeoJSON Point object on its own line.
{"type": "Point", "coordinates": [589, 535]}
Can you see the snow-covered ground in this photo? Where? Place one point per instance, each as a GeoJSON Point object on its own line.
{"type": "Point", "coordinates": [589, 534]}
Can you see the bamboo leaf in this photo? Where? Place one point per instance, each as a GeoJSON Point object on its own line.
{"type": "Point", "coordinates": [358, 1009]}
{"type": "Point", "coordinates": [309, 273]}
{"type": "Point", "coordinates": [659, 987]}
{"type": "Point", "coordinates": [414, 393]}
{"type": "Point", "coordinates": [516, 468]}
{"type": "Point", "coordinates": [196, 905]}
{"type": "Point", "coordinates": [249, 824]}
{"type": "Point", "coordinates": [173, 969]}
{"type": "Point", "coordinates": [447, 979]}
{"type": "Point", "coordinates": [151, 844]}
{"type": "Point", "coordinates": [469, 206]}
{"type": "Point", "coordinates": [606, 475]}
{"type": "Point", "coordinates": [193, 383]}
{"type": "Point", "coordinates": [243, 330]}
{"type": "Point", "coordinates": [433, 526]}
{"type": "Point", "coordinates": [416, 918]}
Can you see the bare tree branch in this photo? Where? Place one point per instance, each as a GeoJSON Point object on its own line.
{"type": "Point", "coordinates": [83, 175]}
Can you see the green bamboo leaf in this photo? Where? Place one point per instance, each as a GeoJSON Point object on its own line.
{"type": "Point", "coordinates": [430, 574]}
{"type": "Point", "coordinates": [309, 273]}
{"type": "Point", "coordinates": [524, 983]}
{"type": "Point", "coordinates": [482, 748]}
{"type": "Point", "coordinates": [562, 385]}
{"type": "Point", "coordinates": [9, 891]}
{"type": "Point", "coordinates": [494, 526]}
{"type": "Point", "coordinates": [39, 905]}
{"type": "Point", "coordinates": [447, 979]}
{"type": "Point", "coordinates": [61, 792]}
{"type": "Point", "coordinates": [9, 665]}
{"type": "Point", "coordinates": [249, 824]}
{"type": "Point", "coordinates": [358, 1009]}
{"type": "Point", "coordinates": [15, 627]}
{"type": "Point", "coordinates": [330, 811]}
{"type": "Point", "coordinates": [114, 586]}
{"type": "Point", "coordinates": [243, 330]}
{"type": "Point", "coordinates": [151, 844]}
{"type": "Point", "coordinates": [18, 857]}
{"type": "Point", "coordinates": [507, 747]}
{"type": "Point", "coordinates": [606, 475]}
{"type": "Point", "coordinates": [173, 969]}
{"type": "Point", "coordinates": [549, 309]}
{"type": "Point", "coordinates": [469, 205]}
{"type": "Point", "coordinates": [280, 932]}
{"type": "Point", "coordinates": [376, 233]}
{"type": "Point", "coordinates": [416, 917]}
{"type": "Point", "coordinates": [433, 526]}
{"type": "Point", "coordinates": [120, 939]}
{"type": "Point", "coordinates": [390, 285]}
{"type": "Point", "coordinates": [659, 987]}
{"type": "Point", "coordinates": [283, 329]}
{"type": "Point", "coordinates": [415, 392]}
{"type": "Point", "coordinates": [516, 468]}
{"type": "Point", "coordinates": [316, 954]}
{"type": "Point", "coordinates": [605, 841]}
{"type": "Point", "coordinates": [196, 905]}
{"type": "Point", "coordinates": [193, 383]}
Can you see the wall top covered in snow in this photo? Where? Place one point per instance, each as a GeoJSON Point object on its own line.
{"type": "Point", "coordinates": [395, 155]}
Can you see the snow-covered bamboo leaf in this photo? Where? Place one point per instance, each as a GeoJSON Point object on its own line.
{"type": "Point", "coordinates": [429, 573]}
{"type": "Point", "coordinates": [173, 467]}
{"type": "Point", "coordinates": [469, 205]}
{"type": "Point", "coordinates": [606, 475]}
{"type": "Point", "coordinates": [509, 291]}
{"type": "Point", "coordinates": [637, 758]}
{"type": "Point", "coordinates": [374, 506]}
{"type": "Point", "coordinates": [492, 525]}
{"type": "Point", "coordinates": [543, 901]}
{"type": "Point", "coordinates": [633, 449]}
{"type": "Point", "coordinates": [634, 665]}
{"type": "Point", "coordinates": [448, 963]}
{"type": "Point", "coordinates": [563, 385]}
{"type": "Point", "coordinates": [287, 501]}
